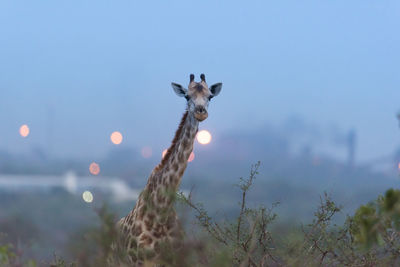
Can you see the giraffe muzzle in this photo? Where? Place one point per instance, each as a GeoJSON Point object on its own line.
{"type": "Point", "coordinates": [200, 113]}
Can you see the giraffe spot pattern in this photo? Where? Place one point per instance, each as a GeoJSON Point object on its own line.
{"type": "Point", "coordinates": [153, 219]}
{"type": "Point", "coordinates": [146, 239]}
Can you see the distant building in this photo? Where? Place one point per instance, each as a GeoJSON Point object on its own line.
{"type": "Point", "coordinates": [73, 184]}
{"type": "Point", "coordinates": [351, 143]}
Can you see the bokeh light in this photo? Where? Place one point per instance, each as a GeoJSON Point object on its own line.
{"type": "Point", "coordinates": [24, 130]}
{"type": "Point", "coordinates": [204, 137]}
{"type": "Point", "coordinates": [191, 157]}
{"type": "Point", "coordinates": [146, 152]}
{"type": "Point", "coordinates": [164, 152]}
{"type": "Point", "coordinates": [94, 168]}
{"type": "Point", "coordinates": [87, 196]}
{"type": "Point", "coordinates": [116, 138]}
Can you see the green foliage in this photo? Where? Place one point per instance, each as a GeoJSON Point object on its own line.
{"type": "Point", "coordinates": [94, 246]}
{"type": "Point", "coordinates": [248, 237]}
{"type": "Point", "coordinates": [6, 254]}
{"type": "Point", "coordinates": [370, 237]}
{"type": "Point", "coordinates": [59, 262]}
{"type": "Point", "coordinates": [10, 258]}
{"type": "Point", "coordinates": [365, 227]}
{"type": "Point", "coordinates": [377, 224]}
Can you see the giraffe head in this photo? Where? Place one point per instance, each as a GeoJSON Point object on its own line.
{"type": "Point", "coordinates": [198, 95]}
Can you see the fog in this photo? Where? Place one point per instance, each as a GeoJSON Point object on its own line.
{"type": "Point", "coordinates": [75, 72]}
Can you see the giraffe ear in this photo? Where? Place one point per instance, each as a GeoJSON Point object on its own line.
{"type": "Point", "coordinates": [179, 90]}
{"type": "Point", "coordinates": [215, 89]}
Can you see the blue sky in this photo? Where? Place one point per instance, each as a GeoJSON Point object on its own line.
{"type": "Point", "coordinates": [82, 69]}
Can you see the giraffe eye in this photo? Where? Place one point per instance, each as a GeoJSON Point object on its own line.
{"type": "Point", "coordinates": [211, 96]}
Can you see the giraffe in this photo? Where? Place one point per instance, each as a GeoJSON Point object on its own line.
{"type": "Point", "coordinates": [153, 221]}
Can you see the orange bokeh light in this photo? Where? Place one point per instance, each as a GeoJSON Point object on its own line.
{"type": "Point", "coordinates": [204, 137]}
{"type": "Point", "coordinates": [116, 138]}
{"type": "Point", "coordinates": [164, 152]}
{"type": "Point", "coordinates": [94, 168]}
{"type": "Point", "coordinates": [24, 130]}
{"type": "Point", "coordinates": [191, 157]}
{"type": "Point", "coordinates": [146, 152]}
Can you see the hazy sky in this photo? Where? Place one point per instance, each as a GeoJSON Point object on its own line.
{"type": "Point", "coordinates": [75, 71]}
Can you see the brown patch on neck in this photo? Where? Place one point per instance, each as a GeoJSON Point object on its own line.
{"type": "Point", "coordinates": [174, 142]}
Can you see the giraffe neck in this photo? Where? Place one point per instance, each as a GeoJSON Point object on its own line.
{"type": "Point", "coordinates": [153, 216]}
{"type": "Point", "coordinates": [184, 148]}
{"type": "Point", "coordinates": [166, 177]}
{"type": "Point", "coordinates": [175, 161]}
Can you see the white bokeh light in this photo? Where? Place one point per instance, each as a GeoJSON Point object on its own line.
{"type": "Point", "coordinates": [204, 137]}
{"type": "Point", "coordinates": [87, 196]}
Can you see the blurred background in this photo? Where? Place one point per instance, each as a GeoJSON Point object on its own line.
{"type": "Point", "coordinates": [310, 89]}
